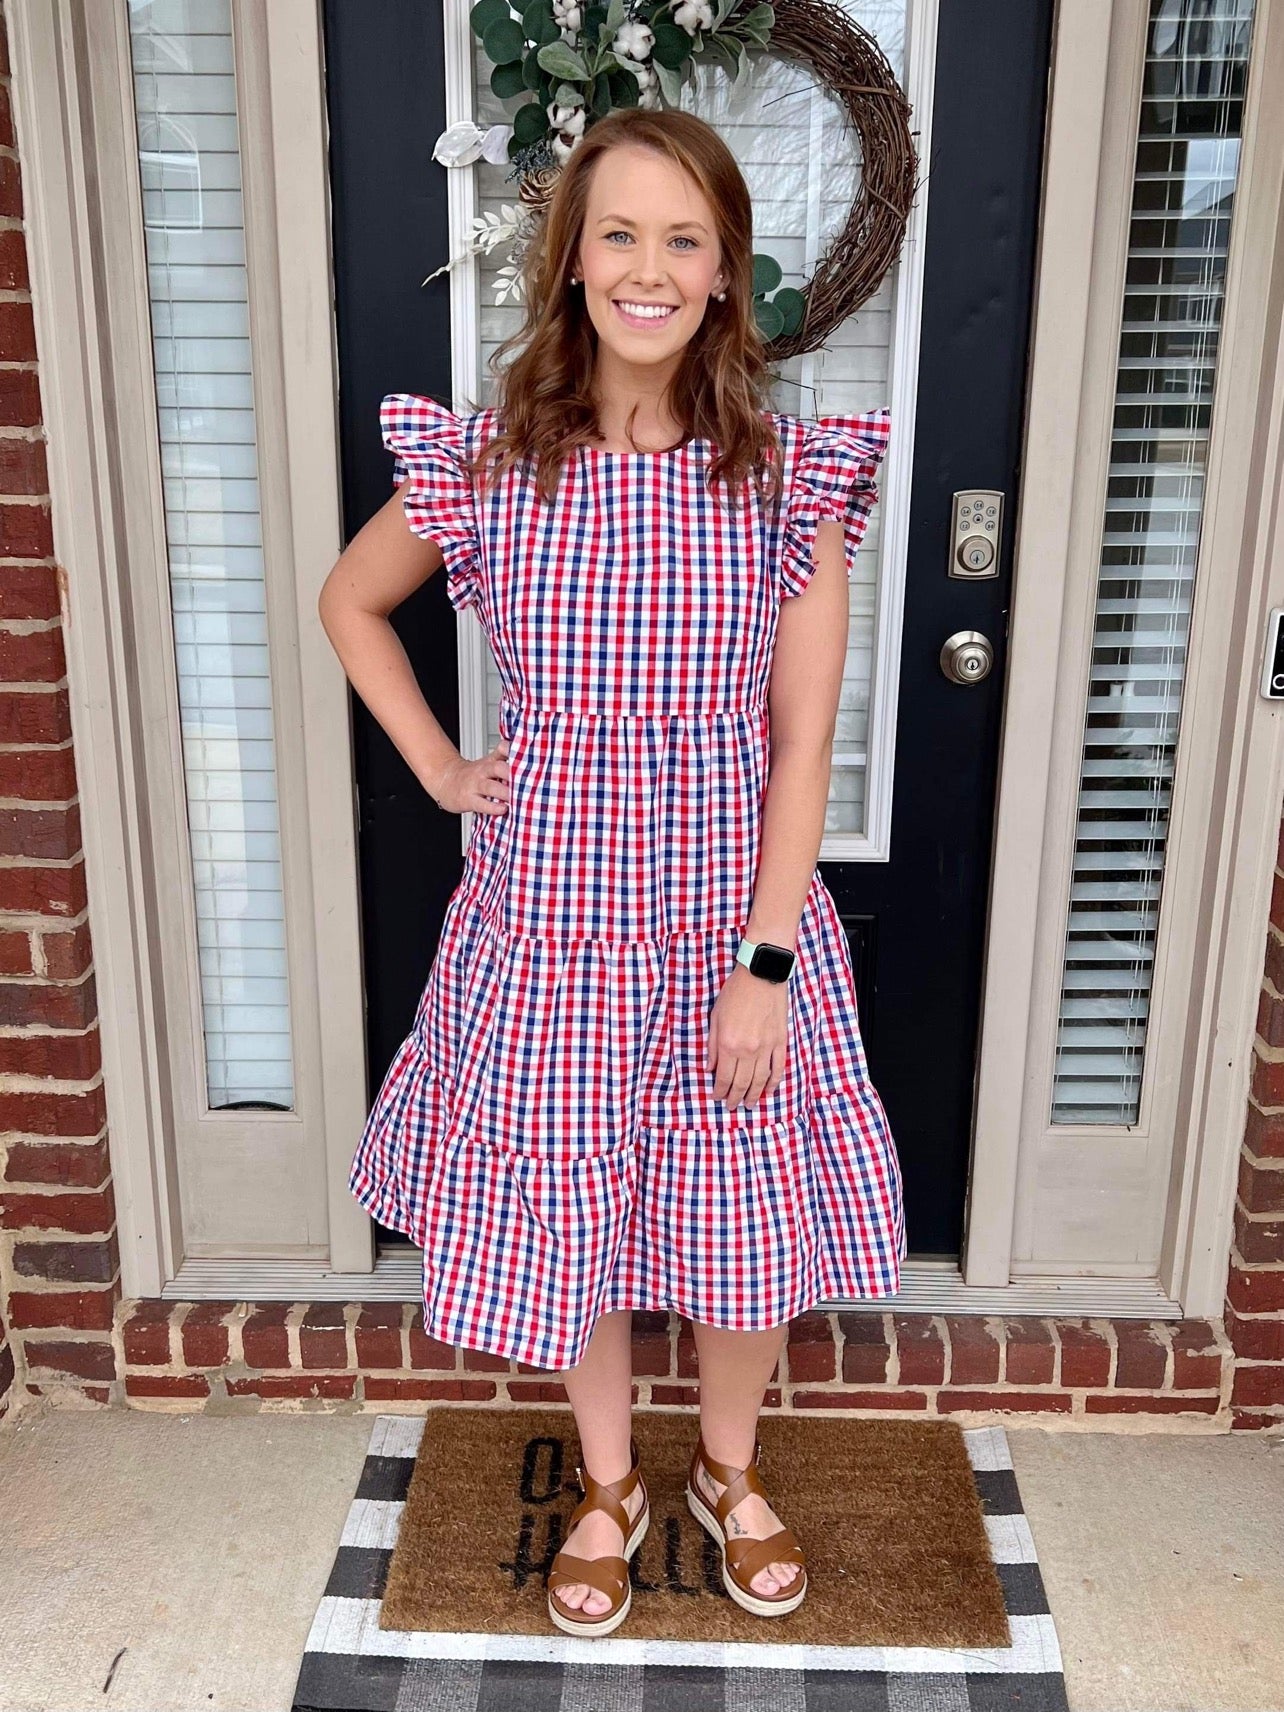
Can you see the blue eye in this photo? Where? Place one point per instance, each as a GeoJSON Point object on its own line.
{"type": "Point", "coordinates": [682, 238]}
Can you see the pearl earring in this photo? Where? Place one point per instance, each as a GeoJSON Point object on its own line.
{"type": "Point", "coordinates": [722, 297]}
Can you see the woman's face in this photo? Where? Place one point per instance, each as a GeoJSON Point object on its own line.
{"type": "Point", "coordinates": [650, 239]}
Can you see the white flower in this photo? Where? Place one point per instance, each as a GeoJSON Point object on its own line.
{"type": "Point", "coordinates": [569, 119]}
{"type": "Point", "coordinates": [568, 15]}
{"type": "Point", "coordinates": [648, 86]}
{"type": "Point", "coordinates": [634, 40]}
{"type": "Point", "coordinates": [564, 149]}
{"type": "Point", "coordinates": [694, 15]}
{"type": "Point", "coordinates": [463, 142]}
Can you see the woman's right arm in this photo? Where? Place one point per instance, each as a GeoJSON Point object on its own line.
{"type": "Point", "coordinates": [384, 563]}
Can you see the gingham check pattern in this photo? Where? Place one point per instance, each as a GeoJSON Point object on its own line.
{"type": "Point", "coordinates": [352, 1665]}
{"type": "Point", "coordinates": [547, 1133]}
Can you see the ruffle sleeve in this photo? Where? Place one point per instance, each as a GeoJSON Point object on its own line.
{"type": "Point", "coordinates": [833, 478]}
{"type": "Point", "coordinates": [429, 443]}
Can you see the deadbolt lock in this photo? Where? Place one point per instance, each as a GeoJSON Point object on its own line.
{"type": "Point", "coordinates": [975, 533]}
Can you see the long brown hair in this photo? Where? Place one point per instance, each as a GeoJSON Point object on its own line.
{"type": "Point", "coordinates": [719, 392]}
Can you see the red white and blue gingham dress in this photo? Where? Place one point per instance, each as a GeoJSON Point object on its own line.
{"type": "Point", "coordinates": [547, 1133]}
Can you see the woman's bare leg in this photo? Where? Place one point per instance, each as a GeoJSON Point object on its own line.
{"type": "Point", "coordinates": [734, 1370]}
{"type": "Point", "coordinates": [600, 1389]}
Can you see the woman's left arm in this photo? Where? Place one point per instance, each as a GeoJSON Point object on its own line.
{"type": "Point", "coordinates": [749, 1024]}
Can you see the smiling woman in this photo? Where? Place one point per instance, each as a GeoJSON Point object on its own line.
{"type": "Point", "coordinates": [645, 317]}
{"type": "Point", "coordinates": [640, 1023]}
{"type": "Point", "coordinates": [657, 280]}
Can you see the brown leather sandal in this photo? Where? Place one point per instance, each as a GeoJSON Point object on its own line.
{"type": "Point", "coordinates": [608, 1575]}
{"type": "Point", "coordinates": [743, 1558]}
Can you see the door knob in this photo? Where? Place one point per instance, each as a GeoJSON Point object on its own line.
{"type": "Point", "coordinates": [967, 657]}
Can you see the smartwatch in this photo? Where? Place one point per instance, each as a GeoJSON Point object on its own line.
{"type": "Point", "coordinates": [771, 962]}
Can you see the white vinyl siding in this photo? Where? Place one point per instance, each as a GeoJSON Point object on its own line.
{"type": "Point", "coordinates": [1187, 162]}
{"type": "Point", "coordinates": [189, 159]}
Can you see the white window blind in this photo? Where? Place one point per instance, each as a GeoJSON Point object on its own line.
{"type": "Point", "coordinates": [185, 97]}
{"type": "Point", "coordinates": [1187, 162]}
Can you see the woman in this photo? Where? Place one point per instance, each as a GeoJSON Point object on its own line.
{"type": "Point", "coordinates": [635, 1077]}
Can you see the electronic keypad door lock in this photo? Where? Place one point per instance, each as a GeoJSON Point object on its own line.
{"type": "Point", "coordinates": [975, 533]}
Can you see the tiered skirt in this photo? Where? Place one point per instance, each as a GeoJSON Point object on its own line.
{"type": "Point", "coordinates": [547, 1134]}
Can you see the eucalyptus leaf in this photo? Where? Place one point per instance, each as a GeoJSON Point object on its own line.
{"type": "Point", "coordinates": [791, 303]}
{"type": "Point", "coordinates": [485, 13]}
{"type": "Point", "coordinates": [532, 76]}
{"type": "Point", "coordinates": [506, 80]}
{"type": "Point", "coordinates": [721, 10]}
{"type": "Point", "coordinates": [530, 123]}
{"type": "Point", "coordinates": [504, 42]}
{"type": "Point", "coordinates": [562, 61]}
{"type": "Point", "coordinates": [539, 23]}
{"type": "Point", "coordinates": [616, 13]}
{"type": "Point", "coordinates": [672, 45]}
{"type": "Point", "coordinates": [766, 274]}
{"type": "Point", "coordinates": [624, 88]}
{"type": "Point", "coordinates": [770, 321]}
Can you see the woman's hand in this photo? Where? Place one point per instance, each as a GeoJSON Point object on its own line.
{"type": "Point", "coordinates": [748, 1037]}
{"type": "Point", "coordinates": [481, 786]}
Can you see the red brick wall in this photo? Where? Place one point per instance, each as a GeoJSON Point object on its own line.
{"type": "Point", "coordinates": [63, 1326]}
{"type": "Point", "coordinates": [1255, 1290]}
{"type": "Point", "coordinates": [59, 1271]}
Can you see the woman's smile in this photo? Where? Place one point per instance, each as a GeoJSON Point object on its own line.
{"type": "Point", "coordinates": [652, 314]}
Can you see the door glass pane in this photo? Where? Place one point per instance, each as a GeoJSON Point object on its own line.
{"type": "Point", "coordinates": [801, 160]}
{"type": "Point", "coordinates": [188, 147]}
{"type": "Point", "coordinates": [1187, 163]}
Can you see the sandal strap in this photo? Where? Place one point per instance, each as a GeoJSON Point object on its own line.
{"type": "Point", "coordinates": [725, 1472]}
{"type": "Point", "coordinates": [745, 1557]}
{"type": "Point", "coordinates": [737, 1483]}
{"type": "Point", "coordinates": [606, 1575]}
{"type": "Point", "coordinates": [607, 1495]}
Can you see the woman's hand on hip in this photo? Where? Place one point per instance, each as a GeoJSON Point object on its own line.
{"type": "Point", "coordinates": [481, 785]}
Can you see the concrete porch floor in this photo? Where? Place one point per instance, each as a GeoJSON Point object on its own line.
{"type": "Point", "coordinates": [200, 1544]}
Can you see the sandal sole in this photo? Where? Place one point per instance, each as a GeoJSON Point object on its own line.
{"type": "Point", "coordinates": [752, 1602]}
{"type": "Point", "coordinates": [604, 1621]}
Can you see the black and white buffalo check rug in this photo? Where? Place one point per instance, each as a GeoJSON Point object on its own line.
{"type": "Point", "coordinates": [352, 1665]}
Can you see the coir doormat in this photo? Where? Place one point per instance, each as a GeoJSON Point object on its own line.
{"type": "Point", "coordinates": [876, 1503]}
{"type": "Point", "coordinates": [886, 1511]}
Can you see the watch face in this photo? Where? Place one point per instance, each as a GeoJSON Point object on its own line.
{"type": "Point", "coordinates": [772, 962]}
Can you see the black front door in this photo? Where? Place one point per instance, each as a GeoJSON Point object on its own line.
{"type": "Point", "coordinates": [917, 921]}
